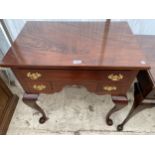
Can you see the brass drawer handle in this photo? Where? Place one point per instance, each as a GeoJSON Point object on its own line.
{"type": "Point", "coordinates": [110, 88]}
{"type": "Point", "coordinates": [39, 87]}
{"type": "Point", "coordinates": [33, 76]}
{"type": "Point", "coordinates": [115, 77]}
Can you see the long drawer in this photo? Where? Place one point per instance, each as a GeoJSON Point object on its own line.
{"type": "Point", "coordinates": [98, 81]}
{"type": "Point", "coordinates": [112, 76]}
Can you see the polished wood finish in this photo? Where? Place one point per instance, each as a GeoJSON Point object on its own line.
{"type": "Point", "coordinates": [60, 44]}
{"type": "Point", "coordinates": [102, 56]}
{"type": "Point", "coordinates": [94, 81]}
{"type": "Point", "coordinates": [75, 74]}
{"type": "Point", "coordinates": [8, 102]}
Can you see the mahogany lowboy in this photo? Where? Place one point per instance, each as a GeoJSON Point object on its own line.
{"type": "Point", "coordinates": [103, 57]}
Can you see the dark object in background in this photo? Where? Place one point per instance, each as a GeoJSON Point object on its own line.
{"type": "Point", "coordinates": [8, 102]}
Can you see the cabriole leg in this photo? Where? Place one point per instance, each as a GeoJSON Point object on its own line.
{"type": "Point", "coordinates": [30, 100]}
{"type": "Point", "coordinates": [119, 104]}
{"type": "Point", "coordinates": [138, 97]}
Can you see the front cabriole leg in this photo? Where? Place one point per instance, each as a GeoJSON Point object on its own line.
{"type": "Point", "coordinates": [120, 102]}
{"type": "Point", "coordinates": [30, 100]}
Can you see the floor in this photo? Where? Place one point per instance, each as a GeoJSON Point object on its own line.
{"type": "Point", "coordinates": [76, 111]}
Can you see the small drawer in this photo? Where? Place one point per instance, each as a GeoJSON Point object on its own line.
{"type": "Point", "coordinates": [37, 87]}
{"type": "Point", "coordinates": [111, 88]}
{"type": "Point", "coordinates": [30, 74]}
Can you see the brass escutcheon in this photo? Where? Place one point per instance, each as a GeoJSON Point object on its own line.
{"type": "Point", "coordinates": [39, 87]}
{"type": "Point", "coordinates": [33, 76]}
{"type": "Point", "coordinates": [110, 88]}
{"type": "Point", "coordinates": [115, 77]}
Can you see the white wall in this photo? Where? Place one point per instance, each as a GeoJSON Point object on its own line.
{"type": "Point", "coordinates": [15, 26]}
{"type": "Point", "coordinates": [142, 26]}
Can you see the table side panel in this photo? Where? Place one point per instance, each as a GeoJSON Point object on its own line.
{"type": "Point", "coordinates": [146, 84]}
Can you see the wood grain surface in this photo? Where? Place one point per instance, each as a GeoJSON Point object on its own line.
{"type": "Point", "coordinates": [75, 44]}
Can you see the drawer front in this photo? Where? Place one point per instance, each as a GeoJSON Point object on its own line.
{"type": "Point", "coordinates": [37, 87]}
{"type": "Point", "coordinates": [112, 76]}
{"type": "Point", "coordinates": [111, 88]}
{"type": "Point", "coordinates": [92, 80]}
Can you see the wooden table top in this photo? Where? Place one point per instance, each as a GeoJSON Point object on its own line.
{"type": "Point", "coordinates": [74, 44]}
{"type": "Point", "coordinates": [147, 43]}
